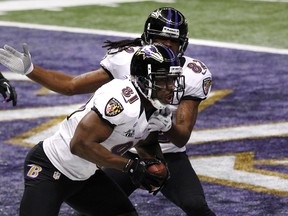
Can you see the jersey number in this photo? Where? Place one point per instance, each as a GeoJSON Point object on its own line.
{"type": "Point", "coordinates": [128, 95]}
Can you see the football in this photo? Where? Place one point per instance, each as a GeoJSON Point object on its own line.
{"type": "Point", "coordinates": [158, 169]}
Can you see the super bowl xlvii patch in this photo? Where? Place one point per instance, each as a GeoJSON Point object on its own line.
{"type": "Point", "coordinates": [207, 82]}
{"type": "Point", "coordinates": [113, 107]}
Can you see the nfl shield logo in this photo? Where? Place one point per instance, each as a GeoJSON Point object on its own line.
{"type": "Point", "coordinates": [56, 175]}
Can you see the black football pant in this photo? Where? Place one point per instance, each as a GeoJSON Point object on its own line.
{"type": "Point", "coordinates": [46, 189]}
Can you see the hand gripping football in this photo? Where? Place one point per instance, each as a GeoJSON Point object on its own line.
{"type": "Point", "coordinates": [148, 174]}
{"type": "Point", "coordinates": [159, 170]}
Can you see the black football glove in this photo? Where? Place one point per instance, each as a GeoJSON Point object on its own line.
{"type": "Point", "coordinates": [8, 92]}
{"type": "Point", "coordinates": [141, 177]}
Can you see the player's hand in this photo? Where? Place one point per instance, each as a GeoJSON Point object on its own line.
{"type": "Point", "coordinates": [141, 177]}
{"type": "Point", "coordinates": [8, 92]}
{"type": "Point", "coordinates": [161, 120]}
{"type": "Point", "coordinates": [16, 61]}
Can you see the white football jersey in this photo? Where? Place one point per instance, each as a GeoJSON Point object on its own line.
{"type": "Point", "coordinates": [119, 103]}
{"type": "Point", "coordinates": [198, 80]}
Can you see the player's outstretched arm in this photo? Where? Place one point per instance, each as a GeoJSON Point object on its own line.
{"type": "Point", "coordinates": [67, 84]}
{"type": "Point", "coordinates": [57, 81]}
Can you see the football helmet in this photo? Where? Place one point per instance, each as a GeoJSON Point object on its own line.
{"type": "Point", "coordinates": [166, 22]}
{"type": "Point", "coordinates": [154, 62]}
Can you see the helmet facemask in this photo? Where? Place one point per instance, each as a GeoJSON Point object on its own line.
{"type": "Point", "coordinates": [148, 85]}
{"type": "Point", "coordinates": [156, 73]}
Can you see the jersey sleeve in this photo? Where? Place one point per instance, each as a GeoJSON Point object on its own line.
{"type": "Point", "coordinates": [118, 63]}
{"type": "Point", "coordinates": [112, 106]}
{"type": "Point", "coordinates": [198, 79]}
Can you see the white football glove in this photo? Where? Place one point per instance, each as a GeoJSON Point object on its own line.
{"type": "Point", "coordinates": [161, 120]}
{"type": "Point", "coordinates": [16, 61]}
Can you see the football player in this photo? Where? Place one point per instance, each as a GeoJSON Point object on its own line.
{"type": "Point", "coordinates": [70, 162]}
{"type": "Point", "coordinates": [7, 90]}
{"type": "Point", "coordinates": [167, 26]}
